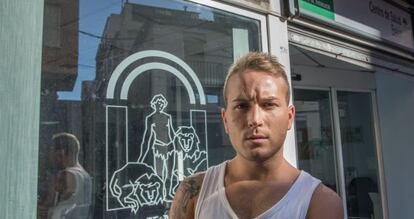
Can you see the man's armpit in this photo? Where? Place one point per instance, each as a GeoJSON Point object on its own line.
{"type": "Point", "coordinates": [186, 196]}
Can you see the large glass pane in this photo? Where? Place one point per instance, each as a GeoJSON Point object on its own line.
{"type": "Point", "coordinates": [316, 153]}
{"type": "Point", "coordinates": [359, 155]}
{"type": "Point", "coordinates": [139, 85]}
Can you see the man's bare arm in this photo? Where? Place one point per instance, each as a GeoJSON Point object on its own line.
{"type": "Point", "coordinates": [186, 197]}
{"type": "Point", "coordinates": [325, 204]}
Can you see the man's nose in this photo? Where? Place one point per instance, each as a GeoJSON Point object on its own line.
{"type": "Point", "coordinates": [255, 117]}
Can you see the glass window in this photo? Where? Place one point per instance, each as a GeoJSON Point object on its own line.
{"type": "Point", "coordinates": [130, 102]}
{"type": "Point", "coordinates": [316, 148]}
{"type": "Point", "coordinates": [316, 151]}
{"type": "Point", "coordinates": [359, 155]}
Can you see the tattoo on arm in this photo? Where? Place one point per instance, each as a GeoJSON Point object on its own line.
{"type": "Point", "coordinates": [184, 202]}
{"type": "Point", "coordinates": [190, 190]}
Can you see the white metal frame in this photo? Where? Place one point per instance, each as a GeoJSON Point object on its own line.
{"type": "Point", "coordinates": [279, 47]}
{"type": "Point", "coordinates": [378, 146]}
{"type": "Point", "coordinates": [381, 172]}
{"type": "Point", "coordinates": [338, 148]}
{"type": "Point", "coordinates": [242, 12]}
{"type": "Point", "coordinates": [329, 91]}
{"type": "Point", "coordinates": [337, 143]}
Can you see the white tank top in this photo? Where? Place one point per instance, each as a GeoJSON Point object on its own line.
{"type": "Point", "coordinates": [212, 201]}
{"type": "Point", "coordinates": [79, 203]}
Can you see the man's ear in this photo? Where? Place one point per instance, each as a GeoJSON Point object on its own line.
{"type": "Point", "coordinates": [291, 115]}
{"type": "Point", "coordinates": [223, 116]}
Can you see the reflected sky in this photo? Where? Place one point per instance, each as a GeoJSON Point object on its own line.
{"type": "Point", "coordinates": [92, 18]}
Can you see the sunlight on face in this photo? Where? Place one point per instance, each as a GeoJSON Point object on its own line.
{"type": "Point", "coordinates": [257, 116]}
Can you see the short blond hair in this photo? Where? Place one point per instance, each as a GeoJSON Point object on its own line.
{"type": "Point", "coordinates": [257, 61]}
{"type": "Point", "coordinates": [67, 142]}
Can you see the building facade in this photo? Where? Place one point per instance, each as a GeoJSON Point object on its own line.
{"type": "Point", "coordinates": [139, 85]}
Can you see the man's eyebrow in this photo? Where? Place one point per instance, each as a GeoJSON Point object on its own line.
{"type": "Point", "coordinates": [238, 99]}
{"type": "Point", "coordinates": [242, 99]}
{"type": "Point", "coordinates": [270, 98]}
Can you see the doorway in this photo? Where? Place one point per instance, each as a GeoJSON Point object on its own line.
{"type": "Point", "coordinates": [335, 128]}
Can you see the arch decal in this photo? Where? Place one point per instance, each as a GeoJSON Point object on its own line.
{"type": "Point", "coordinates": [110, 93]}
{"type": "Point", "coordinates": [151, 66]}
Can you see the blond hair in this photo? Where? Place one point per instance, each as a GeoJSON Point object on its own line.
{"type": "Point", "coordinates": [257, 61]}
{"type": "Point", "coordinates": [68, 142]}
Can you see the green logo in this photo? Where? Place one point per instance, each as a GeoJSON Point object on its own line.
{"type": "Point", "coordinates": [324, 8]}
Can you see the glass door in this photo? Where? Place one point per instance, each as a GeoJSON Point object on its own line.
{"type": "Point", "coordinates": [315, 143]}
{"type": "Point", "coordinates": [359, 154]}
{"type": "Point", "coordinates": [131, 95]}
{"type": "Point", "coordinates": [336, 143]}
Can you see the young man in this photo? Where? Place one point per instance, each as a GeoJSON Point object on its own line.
{"type": "Point", "coordinates": [258, 182]}
{"type": "Point", "coordinates": [71, 194]}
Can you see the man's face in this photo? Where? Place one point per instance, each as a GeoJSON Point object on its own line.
{"type": "Point", "coordinates": [58, 157]}
{"type": "Point", "coordinates": [257, 116]}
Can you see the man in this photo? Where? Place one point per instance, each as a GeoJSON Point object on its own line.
{"type": "Point", "coordinates": [258, 182]}
{"type": "Point", "coordinates": [72, 192]}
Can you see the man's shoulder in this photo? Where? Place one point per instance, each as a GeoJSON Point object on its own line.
{"type": "Point", "coordinates": [191, 185]}
{"type": "Point", "coordinates": [186, 196]}
{"type": "Point", "coordinates": [195, 180]}
{"type": "Point", "coordinates": [325, 203]}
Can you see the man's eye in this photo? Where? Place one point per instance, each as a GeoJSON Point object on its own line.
{"type": "Point", "coordinates": [241, 106]}
{"type": "Point", "coordinates": [269, 105]}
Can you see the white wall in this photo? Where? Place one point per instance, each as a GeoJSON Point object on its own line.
{"type": "Point", "coordinates": [21, 26]}
{"type": "Point", "coordinates": [279, 47]}
{"type": "Point", "coordinates": [395, 95]}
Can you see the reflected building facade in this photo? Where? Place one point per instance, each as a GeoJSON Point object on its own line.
{"type": "Point", "coordinates": [201, 39]}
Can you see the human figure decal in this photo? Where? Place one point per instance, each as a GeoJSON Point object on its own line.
{"type": "Point", "coordinates": [157, 146]}
{"type": "Point", "coordinates": [166, 157]}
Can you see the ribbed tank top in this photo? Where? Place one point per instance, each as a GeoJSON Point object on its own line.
{"type": "Point", "coordinates": [212, 201]}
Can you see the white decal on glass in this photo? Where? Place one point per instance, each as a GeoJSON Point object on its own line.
{"type": "Point", "coordinates": [167, 154]}
{"type": "Point", "coordinates": [136, 185]}
{"type": "Point", "coordinates": [110, 92]}
{"type": "Point", "coordinates": [157, 146]}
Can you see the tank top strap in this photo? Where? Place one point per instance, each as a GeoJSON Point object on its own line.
{"type": "Point", "coordinates": [306, 187]}
{"type": "Point", "coordinates": [295, 203]}
{"type": "Point", "coordinates": [213, 180]}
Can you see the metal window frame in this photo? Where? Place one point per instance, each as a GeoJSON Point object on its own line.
{"type": "Point", "coordinates": [380, 158]}
{"type": "Point", "coordinates": [378, 147]}
{"type": "Point", "coordinates": [328, 90]}
{"type": "Point", "coordinates": [338, 147]}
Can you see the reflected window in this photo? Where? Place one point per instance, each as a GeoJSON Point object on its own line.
{"type": "Point", "coordinates": [316, 153]}
{"type": "Point", "coordinates": [139, 84]}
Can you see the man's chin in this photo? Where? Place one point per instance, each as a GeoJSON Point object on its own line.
{"type": "Point", "coordinates": [261, 154]}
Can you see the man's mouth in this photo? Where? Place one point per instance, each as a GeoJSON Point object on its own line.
{"type": "Point", "coordinates": [256, 139]}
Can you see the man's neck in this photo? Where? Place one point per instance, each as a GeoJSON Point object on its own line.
{"type": "Point", "coordinates": [277, 168]}
{"type": "Point", "coordinates": [71, 163]}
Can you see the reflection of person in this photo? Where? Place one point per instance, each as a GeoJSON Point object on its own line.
{"type": "Point", "coordinates": [258, 182]}
{"type": "Point", "coordinates": [73, 185]}
{"type": "Point", "coordinates": [158, 139]}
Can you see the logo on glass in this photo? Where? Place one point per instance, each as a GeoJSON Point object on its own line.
{"type": "Point", "coordinates": [167, 152]}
